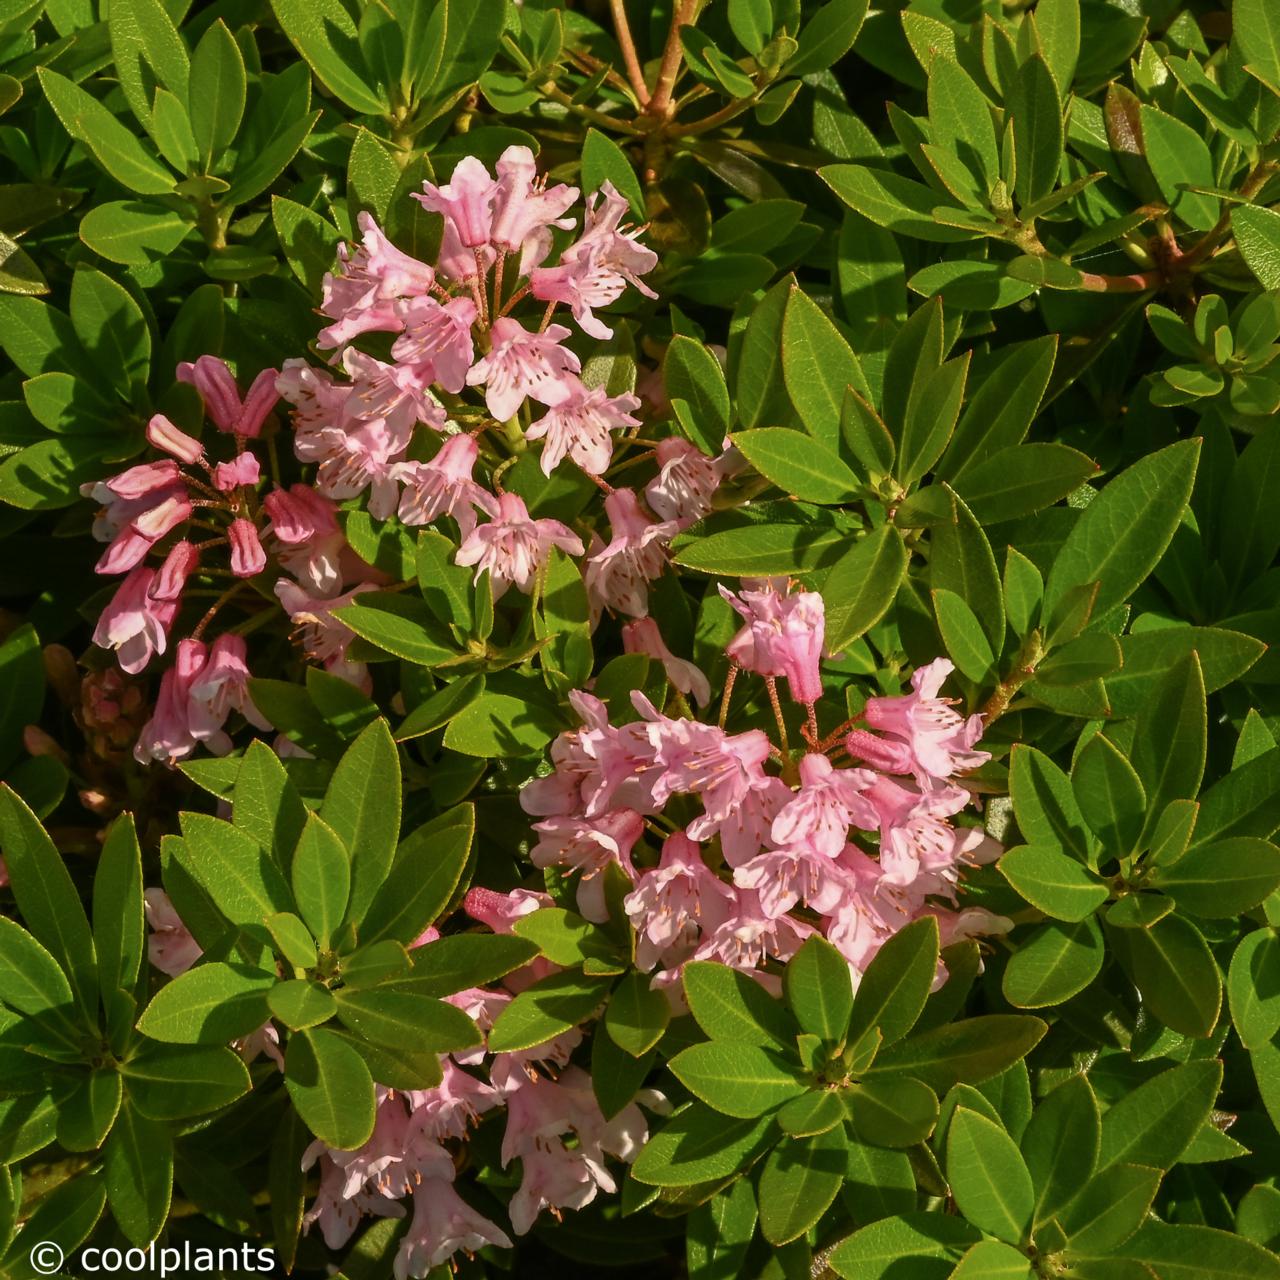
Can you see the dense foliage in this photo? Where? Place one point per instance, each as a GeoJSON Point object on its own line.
{"type": "Point", "coordinates": [679, 673]}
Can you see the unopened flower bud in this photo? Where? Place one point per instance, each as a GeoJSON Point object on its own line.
{"type": "Point", "coordinates": [162, 434]}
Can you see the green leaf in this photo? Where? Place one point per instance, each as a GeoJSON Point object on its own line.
{"type": "Point", "coordinates": [115, 149]}
{"type": "Point", "coordinates": [1170, 740]}
{"type": "Point", "coordinates": [400, 625]}
{"type": "Point", "coordinates": [21, 690]}
{"type": "Point", "coordinates": [930, 1244]}
{"type": "Point", "coordinates": [729, 1006]}
{"type": "Point", "coordinates": [800, 1179]}
{"type": "Point", "coordinates": [133, 232]}
{"type": "Point", "coordinates": [321, 876]}
{"type": "Point", "coordinates": [300, 1004]}
{"type": "Point", "coordinates": [817, 366]}
{"type": "Point", "coordinates": [1257, 233]}
{"type": "Point", "coordinates": [827, 36]}
{"type": "Point", "coordinates": [804, 468]}
{"type": "Point", "coordinates": [1175, 971]}
{"type": "Point", "coordinates": [720, 1231]}
{"type": "Point", "coordinates": [759, 391]}
{"type": "Point", "coordinates": [636, 1016]}
{"type": "Point", "coordinates": [309, 241]}
{"type": "Point", "coordinates": [111, 327]}
{"type": "Point", "coordinates": [1055, 883]}
{"type": "Point", "coordinates": [1021, 479]}
{"type": "Point", "coordinates": [896, 984]}
{"type": "Point", "coordinates": [1154, 1123]}
{"type": "Point", "coordinates": [1124, 531]}
{"type": "Point", "coordinates": [815, 1111]}
{"type": "Point", "coordinates": [1222, 879]}
{"type": "Point", "coordinates": [1110, 795]}
{"type": "Point", "coordinates": [961, 123]}
{"type": "Point", "coordinates": [48, 900]}
{"type": "Point", "coordinates": [892, 1113]}
{"type": "Point", "coordinates": [87, 1112]}
{"type": "Point", "coordinates": [362, 806]}
{"type": "Point", "coordinates": [988, 1176]}
{"type": "Point", "coordinates": [764, 548]}
{"type": "Point", "coordinates": [818, 989]}
{"type": "Point", "coordinates": [1245, 802]}
{"type": "Point", "coordinates": [604, 161]}
{"type": "Point", "coordinates": [324, 34]}
{"type": "Point", "coordinates": [505, 720]}
{"type": "Point", "coordinates": [428, 870]}
{"type": "Point", "coordinates": [1054, 963]}
{"type": "Point", "coordinates": [267, 804]}
{"type": "Point", "coordinates": [1193, 1252]}
{"type": "Point", "coordinates": [1179, 158]}
{"type": "Point", "coordinates": [962, 636]}
{"type": "Point", "coordinates": [973, 1050]}
{"type": "Point", "coordinates": [698, 392]}
{"type": "Point", "coordinates": [1060, 1145]}
{"type": "Point", "coordinates": [1253, 987]}
{"type": "Point", "coordinates": [737, 1079]}
{"type": "Point", "coordinates": [331, 1087]}
{"type": "Point", "coordinates": [215, 1002]}
{"type": "Point", "coordinates": [174, 1082]}
{"type": "Point", "coordinates": [32, 982]}
{"type": "Point", "coordinates": [119, 925]}
{"type": "Point", "coordinates": [551, 1006]}
{"type": "Point", "coordinates": [862, 584]}
{"type": "Point", "coordinates": [700, 1145]}
{"type": "Point", "coordinates": [217, 92]}
{"type": "Point", "coordinates": [265, 164]}
{"type": "Point", "coordinates": [397, 1016]}
{"type": "Point", "coordinates": [138, 1160]}
{"type": "Point", "coordinates": [1032, 101]}
{"type": "Point", "coordinates": [1110, 1209]}
{"type": "Point", "coordinates": [992, 1260]}
{"type": "Point", "coordinates": [961, 560]}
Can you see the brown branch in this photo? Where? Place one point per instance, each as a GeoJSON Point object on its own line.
{"type": "Point", "coordinates": [626, 42]}
{"type": "Point", "coordinates": [659, 103]}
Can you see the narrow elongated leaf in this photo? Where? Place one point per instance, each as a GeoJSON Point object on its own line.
{"type": "Point", "coordinates": [1060, 1145]}
{"type": "Point", "coordinates": [818, 366]}
{"type": "Point", "coordinates": [818, 989]}
{"type": "Point", "coordinates": [331, 1087]}
{"type": "Point", "coordinates": [988, 1176]}
{"type": "Point", "coordinates": [800, 1179]}
{"type": "Point", "coordinates": [896, 983]}
{"type": "Point", "coordinates": [1253, 987]}
{"type": "Point", "coordinates": [741, 1080]}
{"type": "Point", "coordinates": [1055, 883]}
{"type": "Point", "coordinates": [139, 1174]}
{"type": "Point", "coordinates": [804, 468]}
{"type": "Point", "coordinates": [321, 873]}
{"type": "Point", "coordinates": [727, 1005]}
{"type": "Point", "coordinates": [862, 584]}
{"type": "Point", "coordinates": [1156, 1122]}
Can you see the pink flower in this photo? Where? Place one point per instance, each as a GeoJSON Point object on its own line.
{"type": "Point", "coordinates": [828, 801]}
{"type": "Point", "coordinates": [176, 568]}
{"type": "Point", "coordinates": [444, 487]}
{"type": "Point", "coordinates": [783, 636]}
{"type": "Point", "coordinates": [597, 269]}
{"type": "Point", "coordinates": [781, 878]}
{"type": "Point", "coordinates": [213, 380]}
{"type": "Point", "coordinates": [617, 575]}
{"type": "Point", "coordinates": [437, 340]}
{"type": "Point", "coordinates": [135, 524]}
{"type": "Point", "coordinates": [745, 829]}
{"type": "Point", "coordinates": [324, 637]}
{"type": "Point", "coordinates": [514, 546]}
{"type": "Point", "coordinates": [163, 435]}
{"type": "Point", "coordinates": [522, 365]}
{"type": "Point", "coordinates": [243, 470]}
{"type": "Point", "coordinates": [589, 845]}
{"type": "Point", "coordinates": [443, 1223]}
{"type": "Point", "coordinates": [218, 688]}
{"type": "Point", "coordinates": [674, 904]}
{"type": "Point", "coordinates": [247, 555]}
{"type": "Point", "coordinates": [580, 427]}
{"type": "Point", "coordinates": [133, 624]}
{"type": "Point", "coordinates": [750, 936]}
{"type": "Point", "coordinates": [167, 735]}
{"type": "Point", "coordinates": [455, 1103]}
{"type": "Point", "coordinates": [525, 209]}
{"type": "Point", "coordinates": [131, 492]}
{"type": "Point", "coordinates": [685, 484]}
{"type": "Point", "coordinates": [312, 547]}
{"type": "Point", "coordinates": [940, 740]}
{"type": "Point", "coordinates": [643, 636]}
{"type": "Point", "coordinates": [466, 202]}
{"type": "Point", "coordinates": [501, 910]}
{"type": "Point", "coordinates": [361, 299]}
{"type": "Point", "coordinates": [170, 946]}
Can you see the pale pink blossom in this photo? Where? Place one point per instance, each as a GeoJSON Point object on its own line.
{"type": "Point", "coordinates": [311, 546]}
{"type": "Point", "coordinates": [244, 470]}
{"type": "Point", "coordinates": [444, 487]}
{"type": "Point", "coordinates": [322, 636]}
{"type": "Point", "coordinates": [617, 574]}
{"type": "Point", "coordinates": [501, 910]}
{"type": "Point", "coordinates": [443, 1224]}
{"type": "Point", "coordinates": [588, 846]}
{"type": "Point", "coordinates": [673, 904]}
{"type": "Point", "coordinates": [466, 201]}
{"type": "Point", "coordinates": [526, 209]}
{"type": "Point", "coordinates": [133, 624]}
{"type": "Point", "coordinates": [456, 1103]}
{"type": "Point", "coordinates": [247, 556]}
{"type": "Point", "coordinates": [580, 426]}
{"type": "Point", "coordinates": [437, 340]}
{"type": "Point", "coordinates": [940, 740]}
{"type": "Point", "coordinates": [219, 688]}
{"type": "Point", "coordinates": [799, 873]}
{"type": "Point", "coordinates": [524, 365]}
{"type": "Point", "coordinates": [643, 636]}
{"type": "Point", "coordinates": [686, 482]}
{"type": "Point", "coordinates": [178, 565]}
{"type": "Point", "coordinates": [170, 946]}
{"type": "Point", "coordinates": [783, 636]}
{"type": "Point", "coordinates": [829, 800]}
{"type": "Point", "coordinates": [514, 546]}
{"type": "Point", "coordinates": [750, 936]}
{"type": "Point", "coordinates": [167, 736]}
{"type": "Point", "coordinates": [127, 495]}
{"type": "Point", "coordinates": [214, 381]}
{"type": "Point", "coordinates": [745, 829]}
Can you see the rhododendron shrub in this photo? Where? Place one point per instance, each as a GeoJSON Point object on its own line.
{"type": "Point", "coordinates": [635, 639]}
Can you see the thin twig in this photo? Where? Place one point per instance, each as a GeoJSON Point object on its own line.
{"type": "Point", "coordinates": [626, 42]}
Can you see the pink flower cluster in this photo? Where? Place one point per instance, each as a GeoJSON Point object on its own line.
{"type": "Point", "coordinates": [853, 839]}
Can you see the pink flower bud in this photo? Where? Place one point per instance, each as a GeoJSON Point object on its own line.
{"type": "Point", "coordinates": [231, 475]}
{"type": "Point", "coordinates": [259, 400]}
{"type": "Point", "coordinates": [162, 434]}
{"type": "Point", "coordinates": [164, 517]}
{"type": "Point", "coordinates": [178, 566]}
{"type": "Point", "coordinates": [247, 555]}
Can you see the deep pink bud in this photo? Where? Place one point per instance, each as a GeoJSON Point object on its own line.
{"type": "Point", "coordinates": [162, 434]}
{"type": "Point", "coordinates": [178, 566]}
{"type": "Point", "coordinates": [247, 555]}
{"type": "Point", "coordinates": [212, 379]}
{"type": "Point", "coordinates": [164, 517]}
{"type": "Point", "coordinates": [881, 753]}
{"type": "Point", "coordinates": [260, 399]}
{"type": "Point", "coordinates": [138, 481]}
